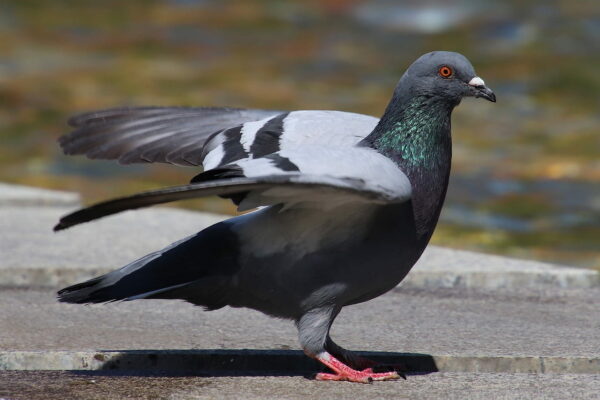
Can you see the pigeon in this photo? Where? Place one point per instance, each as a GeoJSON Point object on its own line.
{"type": "Point", "coordinates": [343, 203]}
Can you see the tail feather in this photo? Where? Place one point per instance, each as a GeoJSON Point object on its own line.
{"type": "Point", "coordinates": [196, 269]}
{"type": "Point", "coordinates": [84, 292]}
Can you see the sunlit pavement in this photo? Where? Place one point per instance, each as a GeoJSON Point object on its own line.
{"type": "Point", "coordinates": [491, 337]}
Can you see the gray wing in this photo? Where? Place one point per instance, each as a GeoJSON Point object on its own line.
{"type": "Point", "coordinates": [174, 135]}
{"type": "Point", "coordinates": [206, 136]}
{"type": "Point", "coordinates": [308, 176]}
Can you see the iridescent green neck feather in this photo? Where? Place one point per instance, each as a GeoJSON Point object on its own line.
{"type": "Point", "coordinates": [415, 135]}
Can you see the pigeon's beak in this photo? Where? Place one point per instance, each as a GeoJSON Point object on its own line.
{"type": "Point", "coordinates": [478, 89]}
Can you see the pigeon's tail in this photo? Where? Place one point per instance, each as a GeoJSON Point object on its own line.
{"type": "Point", "coordinates": [197, 269]}
{"type": "Point", "coordinates": [87, 292]}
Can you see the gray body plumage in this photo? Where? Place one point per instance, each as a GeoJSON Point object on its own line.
{"type": "Point", "coordinates": [348, 202]}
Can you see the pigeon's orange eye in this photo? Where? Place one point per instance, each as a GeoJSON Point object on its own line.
{"type": "Point", "coordinates": [445, 71]}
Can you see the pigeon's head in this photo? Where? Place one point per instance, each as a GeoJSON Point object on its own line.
{"type": "Point", "coordinates": [446, 75]}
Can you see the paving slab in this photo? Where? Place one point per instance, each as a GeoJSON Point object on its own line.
{"type": "Point", "coordinates": [54, 385]}
{"type": "Point", "coordinates": [448, 268]}
{"type": "Point", "coordinates": [524, 344]}
{"type": "Point", "coordinates": [445, 323]}
{"type": "Point", "coordinates": [32, 255]}
{"type": "Point", "coordinates": [19, 195]}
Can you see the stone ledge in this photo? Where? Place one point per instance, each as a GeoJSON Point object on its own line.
{"type": "Point", "coordinates": [27, 196]}
{"type": "Point", "coordinates": [448, 268]}
{"type": "Point", "coordinates": [559, 277]}
{"type": "Point", "coordinates": [278, 362]}
{"type": "Point", "coordinates": [419, 278]}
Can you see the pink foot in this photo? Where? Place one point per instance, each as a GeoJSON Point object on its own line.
{"type": "Point", "coordinates": [345, 373]}
{"type": "Point", "coordinates": [367, 365]}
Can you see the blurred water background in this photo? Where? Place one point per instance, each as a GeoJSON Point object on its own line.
{"type": "Point", "coordinates": [526, 170]}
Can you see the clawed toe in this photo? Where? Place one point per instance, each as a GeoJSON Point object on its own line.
{"type": "Point", "coordinates": [344, 373]}
{"type": "Point", "coordinates": [364, 376]}
{"type": "Point", "coordinates": [398, 368]}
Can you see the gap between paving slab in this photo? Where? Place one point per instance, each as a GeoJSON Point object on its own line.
{"type": "Point", "coordinates": [277, 362]}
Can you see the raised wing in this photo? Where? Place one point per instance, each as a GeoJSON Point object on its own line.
{"type": "Point", "coordinates": [174, 135]}
{"type": "Point", "coordinates": [206, 136]}
{"type": "Point", "coordinates": [307, 176]}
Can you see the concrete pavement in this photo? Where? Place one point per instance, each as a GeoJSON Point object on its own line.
{"type": "Point", "coordinates": [445, 322]}
{"type": "Point", "coordinates": [19, 195]}
{"type": "Point", "coordinates": [57, 385]}
{"type": "Point", "coordinates": [526, 345]}
{"type": "Point", "coordinates": [493, 327]}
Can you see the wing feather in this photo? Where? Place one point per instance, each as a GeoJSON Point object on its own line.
{"type": "Point", "coordinates": [151, 134]}
{"type": "Point", "coordinates": [283, 187]}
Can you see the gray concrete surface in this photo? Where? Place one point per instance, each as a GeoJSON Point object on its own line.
{"type": "Point", "coordinates": [448, 268]}
{"type": "Point", "coordinates": [54, 385]}
{"type": "Point", "coordinates": [530, 344]}
{"type": "Point", "coordinates": [32, 255]}
{"type": "Point", "coordinates": [18, 195]}
{"type": "Point", "coordinates": [444, 322]}
{"type": "Point", "coordinates": [494, 327]}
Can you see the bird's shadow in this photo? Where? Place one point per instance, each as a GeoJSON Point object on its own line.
{"type": "Point", "coordinates": [235, 362]}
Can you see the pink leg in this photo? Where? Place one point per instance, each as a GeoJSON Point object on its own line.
{"type": "Point", "coordinates": [345, 373]}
